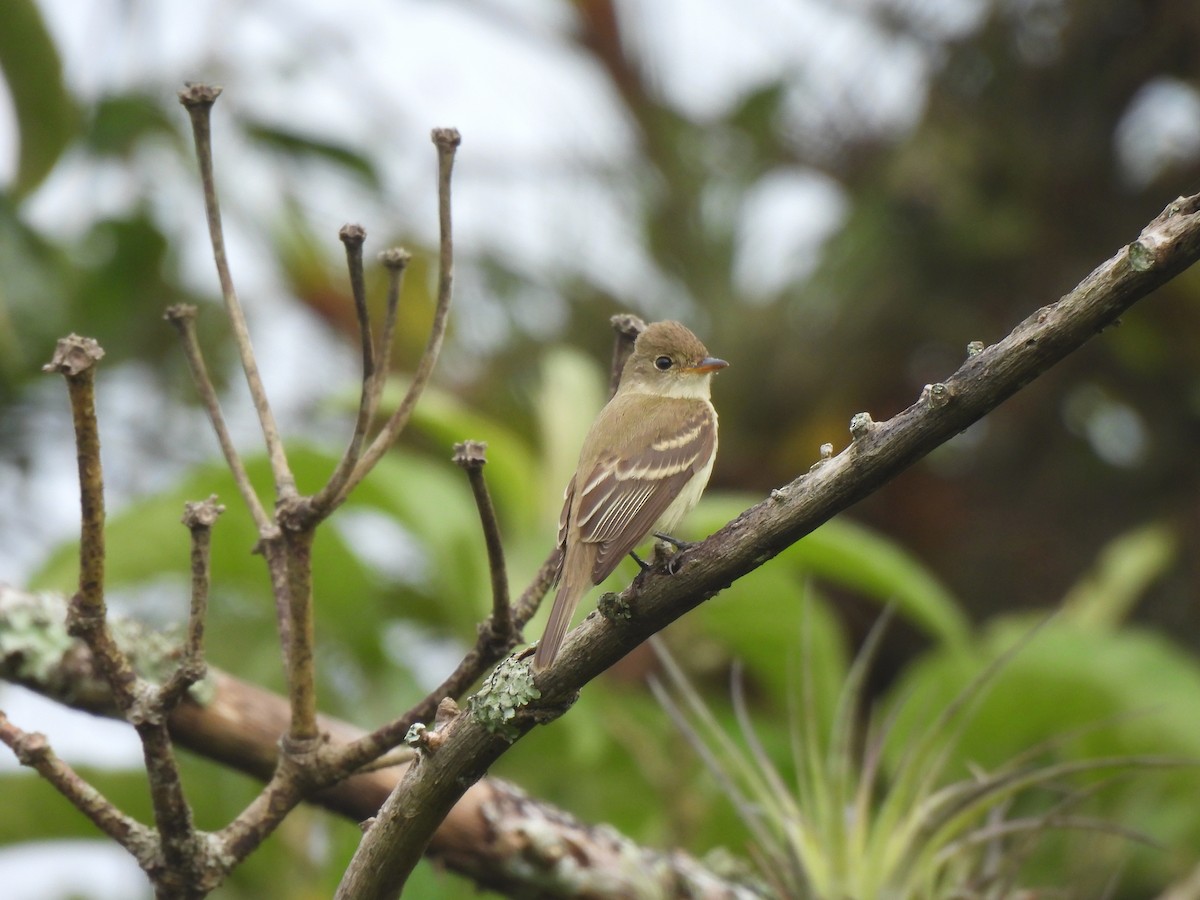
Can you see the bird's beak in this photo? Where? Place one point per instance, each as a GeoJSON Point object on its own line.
{"type": "Point", "coordinates": [708, 364]}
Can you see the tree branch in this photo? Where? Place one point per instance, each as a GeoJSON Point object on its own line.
{"type": "Point", "coordinates": [199, 519]}
{"type": "Point", "coordinates": [878, 452]}
{"type": "Point", "coordinates": [33, 750]}
{"type": "Point", "coordinates": [497, 635]}
{"type": "Point", "coordinates": [182, 871]}
{"type": "Point", "coordinates": [395, 260]}
{"type": "Point", "coordinates": [352, 236]}
{"type": "Point", "coordinates": [183, 317]}
{"type": "Point", "coordinates": [447, 141]}
{"type": "Point", "coordinates": [75, 359]}
{"type": "Point", "coordinates": [471, 456]}
{"type": "Point", "coordinates": [627, 328]}
{"type": "Point", "coordinates": [497, 835]}
{"type": "Point", "coordinates": [198, 99]}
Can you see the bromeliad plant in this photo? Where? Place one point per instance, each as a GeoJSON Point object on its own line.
{"type": "Point", "coordinates": [848, 825]}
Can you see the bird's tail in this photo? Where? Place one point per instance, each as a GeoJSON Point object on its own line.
{"type": "Point", "coordinates": [574, 585]}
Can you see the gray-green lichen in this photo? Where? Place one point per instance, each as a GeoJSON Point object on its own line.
{"type": "Point", "coordinates": [505, 692]}
{"type": "Point", "coordinates": [35, 650]}
{"type": "Point", "coordinates": [33, 636]}
{"type": "Point", "coordinates": [613, 606]}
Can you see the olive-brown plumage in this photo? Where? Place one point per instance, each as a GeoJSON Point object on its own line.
{"type": "Point", "coordinates": [643, 466]}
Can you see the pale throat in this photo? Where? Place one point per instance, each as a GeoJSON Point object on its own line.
{"type": "Point", "coordinates": [678, 387]}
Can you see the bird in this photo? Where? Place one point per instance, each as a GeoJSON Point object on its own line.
{"type": "Point", "coordinates": [644, 464]}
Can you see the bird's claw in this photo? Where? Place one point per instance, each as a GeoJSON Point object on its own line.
{"type": "Point", "coordinates": [674, 541]}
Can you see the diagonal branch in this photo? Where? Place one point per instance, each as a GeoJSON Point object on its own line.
{"type": "Point", "coordinates": [183, 317]}
{"type": "Point", "coordinates": [395, 260]}
{"type": "Point", "coordinates": [375, 363]}
{"type": "Point", "coordinates": [33, 750]}
{"type": "Point", "coordinates": [198, 99]}
{"type": "Point", "coordinates": [497, 635]}
{"type": "Point", "coordinates": [877, 453]}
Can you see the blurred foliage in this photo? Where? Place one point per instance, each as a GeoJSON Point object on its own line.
{"type": "Point", "coordinates": [1013, 182]}
{"type": "Point", "coordinates": [866, 810]}
{"type": "Point", "coordinates": [44, 107]}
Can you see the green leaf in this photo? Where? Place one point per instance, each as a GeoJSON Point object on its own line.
{"type": "Point", "coordinates": [1078, 693]}
{"type": "Point", "coordinates": [120, 121]}
{"type": "Point", "coordinates": [299, 146]}
{"type": "Point", "coordinates": [46, 114]}
{"type": "Point", "coordinates": [1129, 564]}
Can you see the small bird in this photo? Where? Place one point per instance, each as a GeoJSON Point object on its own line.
{"type": "Point", "coordinates": [643, 466]}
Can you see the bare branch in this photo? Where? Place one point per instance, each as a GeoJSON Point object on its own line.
{"type": "Point", "coordinates": [183, 317]}
{"type": "Point", "coordinates": [627, 327]}
{"type": "Point", "coordinates": [75, 358]}
{"type": "Point", "coordinates": [471, 456]}
{"type": "Point", "coordinates": [199, 519]}
{"type": "Point", "coordinates": [352, 236]}
{"type": "Point", "coordinates": [198, 99]}
{"type": "Point", "coordinates": [395, 260]}
{"type": "Point", "coordinates": [33, 750]}
{"type": "Point", "coordinates": [447, 141]}
{"type": "Point", "coordinates": [256, 822]}
{"type": "Point", "coordinates": [531, 598]}
{"type": "Point", "coordinates": [301, 662]}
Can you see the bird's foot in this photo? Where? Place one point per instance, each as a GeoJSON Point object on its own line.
{"type": "Point", "coordinates": [667, 552]}
{"type": "Point", "coordinates": [674, 541]}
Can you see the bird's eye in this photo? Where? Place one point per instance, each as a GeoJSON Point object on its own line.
{"type": "Point", "coordinates": [662, 363]}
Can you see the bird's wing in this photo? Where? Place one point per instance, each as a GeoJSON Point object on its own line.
{"type": "Point", "coordinates": [564, 520]}
{"type": "Point", "coordinates": [622, 497]}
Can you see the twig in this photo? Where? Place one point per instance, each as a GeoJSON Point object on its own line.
{"type": "Point", "coordinates": [87, 617]}
{"type": "Point", "coordinates": [183, 317]}
{"type": "Point", "coordinates": [75, 358]}
{"type": "Point", "coordinates": [471, 456]}
{"type": "Point", "coordinates": [395, 260]}
{"type": "Point", "coordinates": [531, 598]}
{"type": "Point", "coordinates": [199, 519]}
{"type": "Point", "coordinates": [184, 856]}
{"type": "Point", "coordinates": [33, 750]}
{"type": "Point", "coordinates": [447, 141]}
{"type": "Point", "coordinates": [877, 453]}
{"type": "Point", "coordinates": [352, 236]}
{"type": "Point", "coordinates": [627, 327]}
{"type": "Point", "coordinates": [198, 99]}
{"type": "Point", "coordinates": [489, 649]}
{"type": "Point", "coordinates": [497, 636]}
{"type": "Point", "coordinates": [262, 816]}
{"type": "Point", "coordinates": [275, 553]}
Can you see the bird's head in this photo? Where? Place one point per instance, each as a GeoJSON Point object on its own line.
{"type": "Point", "coordinates": [668, 359]}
